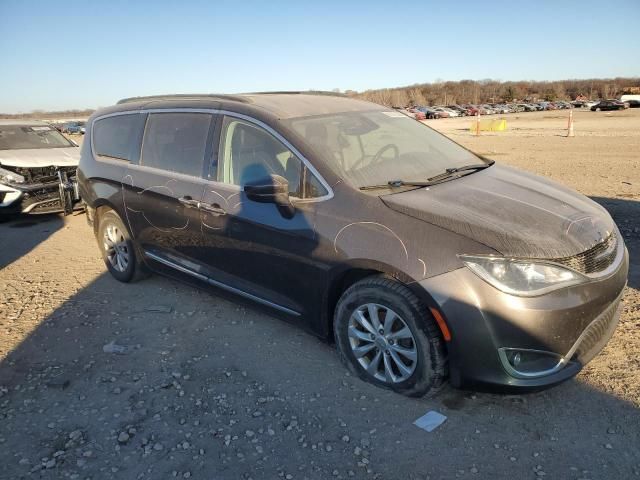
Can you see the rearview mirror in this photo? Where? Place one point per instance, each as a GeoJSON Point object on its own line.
{"type": "Point", "coordinates": [274, 189]}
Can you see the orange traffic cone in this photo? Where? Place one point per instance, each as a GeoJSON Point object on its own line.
{"type": "Point", "coordinates": [570, 132]}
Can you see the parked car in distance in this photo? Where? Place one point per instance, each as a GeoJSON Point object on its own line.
{"type": "Point", "coordinates": [412, 253]}
{"type": "Point", "coordinates": [417, 114]}
{"type": "Point", "coordinates": [489, 109]}
{"type": "Point", "coordinates": [633, 103]}
{"type": "Point", "coordinates": [451, 113]}
{"type": "Point", "coordinates": [608, 105]}
{"type": "Point", "coordinates": [433, 114]}
{"type": "Point", "coordinates": [475, 109]}
{"type": "Point", "coordinates": [527, 107]}
{"type": "Point", "coordinates": [463, 112]}
{"type": "Point", "coordinates": [629, 97]}
{"type": "Point", "coordinates": [500, 108]}
{"type": "Point", "coordinates": [74, 128]}
{"type": "Point", "coordinates": [409, 112]}
{"type": "Point", "coordinates": [37, 168]}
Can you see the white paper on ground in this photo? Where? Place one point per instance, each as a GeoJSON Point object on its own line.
{"type": "Point", "coordinates": [430, 421]}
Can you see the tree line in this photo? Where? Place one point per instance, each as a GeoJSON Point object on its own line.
{"type": "Point", "coordinates": [495, 91]}
{"type": "Point", "coordinates": [46, 115]}
{"type": "Point", "coordinates": [460, 92]}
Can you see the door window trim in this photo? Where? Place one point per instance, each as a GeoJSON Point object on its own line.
{"type": "Point", "coordinates": [329, 195]}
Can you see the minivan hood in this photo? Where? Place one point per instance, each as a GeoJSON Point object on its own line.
{"type": "Point", "coordinates": [514, 212]}
{"type": "Point", "coordinates": [40, 157]}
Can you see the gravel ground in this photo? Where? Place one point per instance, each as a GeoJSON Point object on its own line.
{"type": "Point", "coordinates": [160, 380]}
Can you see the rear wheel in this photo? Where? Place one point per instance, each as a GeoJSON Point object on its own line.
{"type": "Point", "coordinates": [118, 251]}
{"type": "Point", "coordinates": [387, 336]}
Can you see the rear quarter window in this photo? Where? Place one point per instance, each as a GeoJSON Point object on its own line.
{"type": "Point", "coordinates": [118, 137]}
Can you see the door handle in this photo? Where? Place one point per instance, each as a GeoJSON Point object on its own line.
{"type": "Point", "coordinates": [214, 209]}
{"type": "Point", "coordinates": [189, 202]}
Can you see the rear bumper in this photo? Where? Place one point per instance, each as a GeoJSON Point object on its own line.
{"type": "Point", "coordinates": [31, 199]}
{"type": "Point", "coordinates": [564, 329]}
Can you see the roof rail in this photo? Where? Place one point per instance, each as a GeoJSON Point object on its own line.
{"type": "Point", "coordinates": [185, 96]}
{"type": "Point", "coordinates": [296, 92]}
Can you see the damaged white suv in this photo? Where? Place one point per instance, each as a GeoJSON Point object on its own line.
{"type": "Point", "coordinates": [37, 168]}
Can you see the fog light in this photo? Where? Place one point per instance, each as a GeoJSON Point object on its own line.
{"type": "Point", "coordinates": [523, 363]}
{"type": "Point", "coordinates": [515, 361]}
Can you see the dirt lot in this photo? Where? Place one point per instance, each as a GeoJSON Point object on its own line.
{"type": "Point", "coordinates": [207, 387]}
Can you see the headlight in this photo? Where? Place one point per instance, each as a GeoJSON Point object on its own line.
{"type": "Point", "coordinates": [521, 277]}
{"type": "Point", "coordinates": [7, 176]}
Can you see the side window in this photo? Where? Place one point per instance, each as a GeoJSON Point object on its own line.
{"type": "Point", "coordinates": [119, 136]}
{"type": "Point", "coordinates": [250, 154]}
{"type": "Point", "coordinates": [176, 142]}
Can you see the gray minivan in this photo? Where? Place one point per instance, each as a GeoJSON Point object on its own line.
{"type": "Point", "coordinates": [422, 260]}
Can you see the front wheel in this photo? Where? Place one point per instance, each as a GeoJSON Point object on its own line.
{"type": "Point", "coordinates": [387, 336]}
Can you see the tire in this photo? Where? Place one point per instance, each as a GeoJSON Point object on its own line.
{"type": "Point", "coordinates": [115, 246]}
{"type": "Point", "coordinates": [598, 109]}
{"type": "Point", "coordinates": [423, 376]}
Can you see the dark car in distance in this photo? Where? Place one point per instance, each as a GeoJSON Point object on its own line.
{"type": "Point", "coordinates": [608, 105]}
{"type": "Point", "coordinates": [421, 260]}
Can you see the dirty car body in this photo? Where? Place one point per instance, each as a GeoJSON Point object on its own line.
{"type": "Point", "coordinates": [522, 276]}
{"type": "Point", "coordinates": [37, 168]}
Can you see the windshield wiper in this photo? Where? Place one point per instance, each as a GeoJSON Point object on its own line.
{"type": "Point", "coordinates": [397, 183]}
{"type": "Point", "coordinates": [449, 172]}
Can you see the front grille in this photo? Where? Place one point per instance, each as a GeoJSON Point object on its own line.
{"type": "Point", "coordinates": [598, 333]}
{"type": "Point", "coordinates": [594, 260]}
{"type": "Point", "coordinates": [41, 174]}
{"type": "Point", "coordinates": [51, 205]}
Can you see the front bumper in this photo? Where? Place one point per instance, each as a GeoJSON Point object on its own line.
{"type": "Point", "coordinates": [34, 199]}
{"type": "Point", "coordinates": [568, 327]}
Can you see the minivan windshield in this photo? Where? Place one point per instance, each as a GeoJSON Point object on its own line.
{"type": "Point", "coordinates": [376, 147]}
{"type": "Point", "coordinates": [19, 137]}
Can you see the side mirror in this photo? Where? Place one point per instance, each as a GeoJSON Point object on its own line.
{"type": "Point", "coordinates": [274, 189]}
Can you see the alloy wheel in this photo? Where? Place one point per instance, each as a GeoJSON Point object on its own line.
{"type": "Point", "coordinates": [382, 343]}
{"type": "Point", "coordinates": [115, 247]}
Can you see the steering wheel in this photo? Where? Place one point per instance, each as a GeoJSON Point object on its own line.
{"type": "Point", "coordinates": [378, 156]}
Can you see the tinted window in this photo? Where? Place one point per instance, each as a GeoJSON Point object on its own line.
{"type": "Point", "coordinates": [250, 154]}
{"type": "Point", "coordinates": [176, 142]}
{"type": "Point", "coordinates": [118, 137]}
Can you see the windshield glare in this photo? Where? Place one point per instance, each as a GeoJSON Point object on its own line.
{"type": "Point", "coordinates": [19, 137]}
{"type": "Point", "coordinates": [373, 148]}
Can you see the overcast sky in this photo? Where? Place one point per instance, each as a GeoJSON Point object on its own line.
{"type": "Point", "coordinates": [92, 53]}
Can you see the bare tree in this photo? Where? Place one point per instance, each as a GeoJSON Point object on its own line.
{"type": "Point", "coordinates": [491, 91]}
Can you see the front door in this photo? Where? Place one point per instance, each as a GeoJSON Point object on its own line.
{"type": "Point", "coordinates": [253, 246]}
